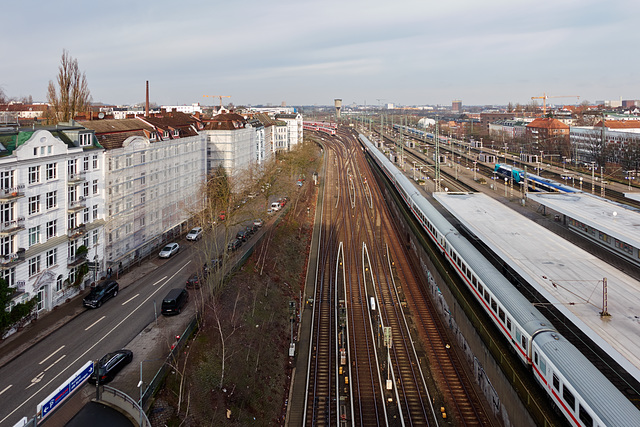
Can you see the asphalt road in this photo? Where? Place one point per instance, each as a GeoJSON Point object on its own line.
{"type": "Point", "coordinates": [29, 379]}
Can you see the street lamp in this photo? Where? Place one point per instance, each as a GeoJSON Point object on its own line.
{"type": "Point", "coordinates": [505, 186]}
{"type": "Point", "coordinates": [580, 183]}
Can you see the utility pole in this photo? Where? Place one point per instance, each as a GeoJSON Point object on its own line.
{"type": "Point", "coordinates": [437, 168]}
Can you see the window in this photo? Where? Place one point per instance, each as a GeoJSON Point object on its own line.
{"type": "Point", "coordinates": [95, 186]}
{"type": "Point", "coordinates": [568, 397]}
{"type": "Point", "coordinates": [6, 245]}
{"type": "Point", "coordinates": [584, 416]}
{"type": "Point", "coordinates": [52, 171]}
{"type": "Point", "coordinates": [9, 276]}
{"type": "Point", "coordinates": [85, 215]}
{"type": "Point", "coordinates": [95, 161]}
{"type": "Point", "coordinates": [52, 229]}
{"type": "Point", "coordinates": [501, 314]}
{"type": "Point", "coordinates": [535, 357]}
{"type": "Point", "coordinates": [128, 161]}
{"type": "Point", "coordinates": [85, 189]}
{"type": "Point", "coordinates": [85, 139]}
{"type": "Point", "coordinates": [52, 257]}
{"type": "Point", "coordinates": [509, 323]}
{"type": "Point", "coordinates": [71, 167]}
{"type": "Point", "coordinates": [34, 205]}
{"type": "Point", "coordinates": [34, 265]}
{"type": "Point", "coordinates": [52, 199]}
{"type": "Point", "coordinates": [94, 234]}
{"type": "Point", "coordinates": [59, 283]}
{"type": "Point", "coordinates": [34, 174]}
{"type": "Point", "coordinates": [524, 342]}
{"type": "Point", "coordinates": [71, 221]}
{"type": "Point", "coordinates": [6, 179]}
{"type": "Point", "coordinates": [487, 297]}
{"type": "Point", "coordinates": [34, 235]}
{"type": "Point", "coordinates": [71, 193]}
{"type": "Point", "coordinates": [6, 212]}
{"type": "Point", "coordinates": [95, 212]}
{"type": "Point", "coordinates": [85, 163]}
{"type": "Point", "coordinates": [494, 305]}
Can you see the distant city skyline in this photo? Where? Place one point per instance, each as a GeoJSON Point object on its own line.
{"type": "Point", "coordinates": [301, 53]}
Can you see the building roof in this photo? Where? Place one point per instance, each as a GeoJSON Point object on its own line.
{"type": "Point", "coordinates": [547, 123]}
{"type": "Point", "coordinates": [226, 121]}
{"type": "Point", "coordinates": [112, 133]}
{"type": "Point", "coordinates": [619, 124]}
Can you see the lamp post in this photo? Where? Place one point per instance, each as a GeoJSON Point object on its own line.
{"type": "Point", "coordinates": [580, 183]}
{"type": "Point", "coordinates": [593, 179]}
{"type": "Point", "coordinates": [505, 186]}
{"type": "Point", "coordinates": [474, 169]}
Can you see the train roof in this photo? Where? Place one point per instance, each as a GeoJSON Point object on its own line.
{"type": "Point", "coordinates": [611, 218]}
{"type": "Point", "coordinates": [603, 398]}
{"type": "Point", "coordinates": [566, 275]}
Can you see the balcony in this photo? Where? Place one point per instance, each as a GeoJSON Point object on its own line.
{"type": "Point", "coordinates": [77, 231]}
{"type": "Point", "coordinates": [77, 260]}
{"type": "Point", "coordinates": [9, 194]}
{"type": "Point", "coordinates": [10, 260]}
{"type": "Point", "coordinates": [11, 227]}
{"type": "Point", "coordinates": [77, 205]}
{"type": "Point", "coordinates": [76, 178]}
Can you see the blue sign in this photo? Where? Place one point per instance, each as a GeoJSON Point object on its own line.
{"type": "Point", "coordinates": [64, 391]}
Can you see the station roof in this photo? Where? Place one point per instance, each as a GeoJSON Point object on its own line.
{"type": "Point", "coordinates": [569, 277]}
{"type": "Point", "coordinates": [612, 219]}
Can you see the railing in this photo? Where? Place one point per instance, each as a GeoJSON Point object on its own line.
{"type": "Point", "coordinates": [126, 403]}
{"type": "Point", "coordinates": [78, 259]}
{"type": "Point", "coordinates": [77, 204]}
{"type": "Point", "coordinates": [11, 226]}
{"type": "Point", "coordinates": [76, 231]}
{"type": "Point", "coordinates": [75, 177]}
{"type": "Point", "coordinates": [13, 257]}
{"type": "Point", "coordinates": [17, 191]}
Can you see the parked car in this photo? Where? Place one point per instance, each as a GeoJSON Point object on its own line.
{"type": "Point", "coordinates": [234, 245]}
{"type": "Point", "coordinates": [194, 234]}
{"type": "Point", "coordinates": [174, 301]}
{"type": "Point", "coordinates": [258, 222]}
{"type": "Point", "coordinates": [249, 230]}
{"type": "Point", "coordinates": [110, 365]}
{"type": "Point", "coordinates": [275, 206]}
{"type": "Point", "coordinates": [193, 282]}
{"type": "Point", "coordinates": [101, 293]}
{"type": "Point", "coordinates": [211, 266]}
{"type": "Point", "coordinates": [242, 235]}
{"type": "Point", "coordinates": [169, 250]}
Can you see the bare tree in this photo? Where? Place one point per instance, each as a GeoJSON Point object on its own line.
{"type": "Point", "coordinates": [3, 96]}
{"type": "Point", "coordinates": [72, 95]}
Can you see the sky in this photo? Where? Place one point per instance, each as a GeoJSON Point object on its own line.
{"type": "Point", "coordinates": [302, 52]}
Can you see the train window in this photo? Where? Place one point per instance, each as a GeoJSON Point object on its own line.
{"type": "Point", "coordinates": [487, 298]}
{"type": "Point", "coordinates": [524, 342]}
{"type": "Point", "coordinates": [501, 314]}
{"type": "Point", "coordinates": [569, 398]}
{"type": "Point", "coordinates": [474, 280]}
{"type": "Point", "coordinates": [480, 289]}
{"type": "Point", "coordinates": [468, 273]}
{"type": "Point", "coordinates": [494, 305]}
{"type": "Point", "coordinates": [556, 382]}
{"type": "Point", "coordinates": [508, 323]}
{"type": "Point", "coordinates": [585, 417]}
{"type": "Point", "coordinates": [543, 367]}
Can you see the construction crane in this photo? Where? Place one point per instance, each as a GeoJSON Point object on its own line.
{"type": "Point", "coordinates": [217, 96]}
{"type": "Point", "coordinates": [544, 98]}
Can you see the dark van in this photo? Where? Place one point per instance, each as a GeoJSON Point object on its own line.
{"type": "Point", "coordinates": [174, 301]}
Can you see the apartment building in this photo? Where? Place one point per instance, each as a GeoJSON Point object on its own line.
{"type": "Point", "coordinates": [51, 216]}
{"type": "Point", "coordinates": [231, 143]}
{"type": "Point", "coordinates": [155, 167]}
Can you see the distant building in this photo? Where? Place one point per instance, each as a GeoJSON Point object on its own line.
{"type": "Point", "coordinates": [508, 129]}
{"type": "Point", "coordinates": [548, 135]}
{"type": "Point", "coordinates": [186, 109]}
{"type": "Point", "coordinates": [608, 144]}
{"type": "Point", "coordinates": [294, 129]}
{"type": "Point", "coordinates": [231, 143]}
{"type": "Point", "coordinates": [628, 103]}
{"type": "Point", "coordinates": [456, 106]}
{"type": "Point", "coordinates": [487, 117]}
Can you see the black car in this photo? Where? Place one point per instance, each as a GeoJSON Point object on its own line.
{"type": "Point", "coordinates": [110, 365]}
{"type": "Point", "coordinates": [99, 294]}
{"type": "Point", "coordinates": [193, 282]}
{"type": "Point", "coordinates": [242, 235]}
{"type": "Point", "coordinates": [234, 245]}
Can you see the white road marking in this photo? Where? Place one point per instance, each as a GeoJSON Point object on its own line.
{"type": "Point", "coordinates": [161, 279]}
{"type": "Point", "coordinates": [28, 399]}
{"type": "Point", "coordinates": [6, 388]}
{"type": "Point", "coordinates": [59, 359]}
{"type": "Point", "coordinates": [35, 380]}
{"type": "Point", "coordinates": [51, 355]}
{"type": "Point", "coordinates": [131, 299]}
{"type": "Point", "coordinates": [94, 323]}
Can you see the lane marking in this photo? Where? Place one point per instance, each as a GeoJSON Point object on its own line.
{"type": "Point", "coordinates": [162, 279]}
{"type": "Point", "coordinates": [50, 356]}
{"type": "Point", "coordinates": [59, 359]}
{"type": "Point", "coordinates": [35, 380]}
{"type": "Point", "coordinates": [28, 399]}
{"type": "Point", "coordinates": [6, 388]}
{"type": "Point", "coordinates": [131, 299]}
{"type": "Point", "coordinates": [94, 323]}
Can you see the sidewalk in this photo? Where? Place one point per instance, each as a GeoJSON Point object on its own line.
{"type": "Point", "coordinates": [16, 344]}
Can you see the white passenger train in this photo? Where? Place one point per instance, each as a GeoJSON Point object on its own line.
{"type": "Point", "coordinates": [579, 390]}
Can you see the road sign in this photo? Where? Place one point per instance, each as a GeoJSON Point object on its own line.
{"type": "Point", "coordinates": [54, 399]}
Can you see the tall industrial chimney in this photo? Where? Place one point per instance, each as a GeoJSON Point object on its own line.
{"type": "Point", "coordinates": [146, 104]}
{"type": "Point", "coordinates": [338, 105]}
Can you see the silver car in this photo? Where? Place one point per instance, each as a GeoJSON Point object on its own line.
{"type": "Point", "coordinates": [169, 250]}
{"type": "Point", "coordinates": [194, 234]}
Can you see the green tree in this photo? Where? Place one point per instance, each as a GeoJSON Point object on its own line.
{"type": "Point", "coordinates": [72, 94]}
{"type": "Point", "coordinates": [17, 313]}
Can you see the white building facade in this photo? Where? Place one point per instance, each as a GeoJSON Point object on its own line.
{"type": "Point", "coordinates": [231, 143]}
{"type": "Point", "coordinates": [52, 218]}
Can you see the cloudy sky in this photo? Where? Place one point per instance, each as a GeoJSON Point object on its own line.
{"type": "Point", "coordinates": [307, 52]}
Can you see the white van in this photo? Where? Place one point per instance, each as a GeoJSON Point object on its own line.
{"type": "Point", "coordinates": [275, 206]}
